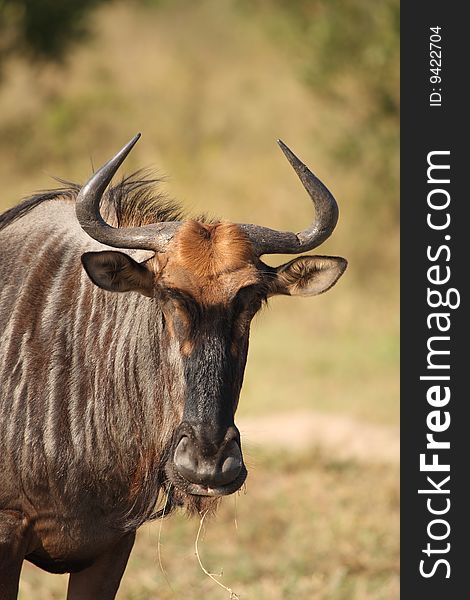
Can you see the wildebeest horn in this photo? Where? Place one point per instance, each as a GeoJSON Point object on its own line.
{"type": "Point", "coordinates": [269, 241]}
{"type": "Point", "coordinates": [149, 237]}
{"type": "Point", "coordinates": [156, 236]}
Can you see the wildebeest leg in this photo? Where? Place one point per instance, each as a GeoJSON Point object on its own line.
{"type": "Point", "coordinates": [15, 535]}
{"type": "Point", "coordinates": [102, 579]}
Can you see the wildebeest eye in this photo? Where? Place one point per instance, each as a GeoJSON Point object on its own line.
{"type": "Point", "coordinates": [181, 300]}
{"type": "Point", "coordinates": [249, 298]}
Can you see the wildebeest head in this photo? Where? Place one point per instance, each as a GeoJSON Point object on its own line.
{"type": "Point", "coordinates": [209, 282]}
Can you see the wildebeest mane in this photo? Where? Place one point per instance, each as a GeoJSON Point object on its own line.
{"type": "Point", "coordinates": [132, 202]}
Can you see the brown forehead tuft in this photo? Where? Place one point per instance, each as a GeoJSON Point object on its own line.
{"type": "Point", "coordinates": [210, 249]}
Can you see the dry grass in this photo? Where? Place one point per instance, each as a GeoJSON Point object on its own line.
{"type": "Point", "coordinates": [309, 528]}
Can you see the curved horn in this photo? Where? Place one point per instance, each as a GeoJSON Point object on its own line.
{"type": "Point", "coordinates": [87, 208]}
{"type": "Point", "coordinates": [270, 241]}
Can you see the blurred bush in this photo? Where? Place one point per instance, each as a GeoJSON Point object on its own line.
{"type": "Point", "coordinates": [42, 29]}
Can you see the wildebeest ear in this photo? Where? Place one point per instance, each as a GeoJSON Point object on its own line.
{"type": "Point", "coordinates": [117, 272]}
{"type": "Point", "coordinates": [308, 275]}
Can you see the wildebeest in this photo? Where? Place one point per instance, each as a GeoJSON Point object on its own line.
{"type": "Point", "coordinates": [120, 370]}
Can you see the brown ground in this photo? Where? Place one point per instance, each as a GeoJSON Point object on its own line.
{"type": "Point", "coordinates": [342, 436]}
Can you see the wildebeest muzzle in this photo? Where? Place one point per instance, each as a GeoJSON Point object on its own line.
{"type": "Point", "coordinates": [206, 464]}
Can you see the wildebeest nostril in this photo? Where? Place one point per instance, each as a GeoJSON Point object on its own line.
{"type": "Point", "coordinates": [216, 471]}
{"type": "Point", "coordinates": [184, 459]}
{"type": "Point", "coordinates": [232, 464]}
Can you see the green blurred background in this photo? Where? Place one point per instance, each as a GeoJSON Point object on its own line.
{"type": "Point", "coordinates": [212, 85]}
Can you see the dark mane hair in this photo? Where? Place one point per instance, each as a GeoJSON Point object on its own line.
{"type": "Point", "coordinates": [132, 202]}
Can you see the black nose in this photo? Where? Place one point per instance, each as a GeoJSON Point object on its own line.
{"type": "Point", "coordinates": [212, 471]}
